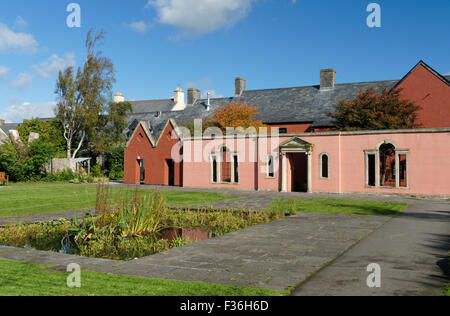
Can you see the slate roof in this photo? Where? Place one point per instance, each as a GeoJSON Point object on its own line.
{"type": "Point", "coordinates": [296, 104]}
{"type": "Point", "coordinates": [162, 105]}
{"type": "Point", "coordinates": [9, 126]}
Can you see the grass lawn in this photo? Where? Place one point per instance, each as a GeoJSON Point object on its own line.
{"type": "Point", "coordinates": [32, 200]}
{"type": "Point", "coordinates": [26, 279]}
{"type": "Point", "coordinates": [340, 206]}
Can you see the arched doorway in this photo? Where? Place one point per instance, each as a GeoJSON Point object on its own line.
{"type": "Point", "coordinates": [387, 165]}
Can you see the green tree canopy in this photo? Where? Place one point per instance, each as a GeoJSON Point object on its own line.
{"type": "Point", "coordinates": [51, 131]}
{"type": "Point", "coordinates": [83, 97]}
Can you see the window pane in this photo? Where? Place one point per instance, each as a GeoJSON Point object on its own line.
{"type": "Point", "coordinates": [236, 169]}
{"type": "Point", "coordinates": [403, 171]}
{"type": "Point", "coordinates": [325, 166]}
{"type": "Point", "coordinates": [371, 163]}
{"type": "Point", "coordinates": [214, 169]}
{"type": "Point", "coordinates": [270, 166]}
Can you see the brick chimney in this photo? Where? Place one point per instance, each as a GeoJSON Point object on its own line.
{"type": "Point", "coordinates": [2, 122]}
{"type": "Point", "coordinates": [178, 98]}
{"type": "Point", "coordinates": [193, 95]}
{"type": "Point", "coordinates": [327, 79]}
{"type": "Point", "coordinates": [241, 85]}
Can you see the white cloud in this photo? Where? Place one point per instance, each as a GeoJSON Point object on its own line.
{"type": "Point", "coordinates": [12, 42]}
{"type": "Point", "coordinates": [23, 80]}
{"type": "Point", "coordinates": [3, 71]}
{"type": "Point", "coordinates": [139, 26]}
{"type": "Point", "coordinates": [200, 16]}
{"type": "Point", "coordinates": [205, 85]}
{"type": "Point", "coordinates": [27, 111]}
{"type": "Point", "coordinates": [20, 22]}
{"type": "Point", "coordinates": [54, 64]}
{"type": "Point", "coordinates": [212, 94]}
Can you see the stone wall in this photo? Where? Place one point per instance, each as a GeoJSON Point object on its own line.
{"type": "Point", "coordinates": [61, 164]}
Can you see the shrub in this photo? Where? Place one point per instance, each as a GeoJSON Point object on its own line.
{"type": "Point", "coordinates": [96, 171]}
{"type": "Point", "coordinates": [114, 163]}
{"type": "Point", "coordinates": [218, 222]}
{"type": "Point", "coordinates": [43, 236]}
{"type": "Point", "coordinates": [26, 162]}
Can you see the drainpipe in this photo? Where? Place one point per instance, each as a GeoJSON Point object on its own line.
{"type": "Point", "coordinates": [340, 163]}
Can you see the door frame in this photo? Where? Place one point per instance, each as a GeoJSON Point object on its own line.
{"type": "Point", "coordinates": [295, 145]}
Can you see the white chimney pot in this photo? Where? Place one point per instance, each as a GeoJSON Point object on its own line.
{"type": "Point", "coordinates": [119, 97]}
{"type": "Point", "coordinates": [178, 98]}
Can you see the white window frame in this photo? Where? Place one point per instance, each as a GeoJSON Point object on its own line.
{"type": "Point", "coordinates": [397, 153]}
{"type": "Point", "coordinates": [217, 155]}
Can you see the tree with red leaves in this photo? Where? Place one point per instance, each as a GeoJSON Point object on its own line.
{"type": "Point", "coordinates": [373, 110]}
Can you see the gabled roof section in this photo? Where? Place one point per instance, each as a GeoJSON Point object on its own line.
{"type": "Point", "coordinates": [296, 144]}
{"type": "Point", "coordinates": [445, 79]}
{"type": "Point", "coordinates": [153, 141]}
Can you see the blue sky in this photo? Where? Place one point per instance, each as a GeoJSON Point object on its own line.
{"type": "Point", "coordinates": [160, 45]}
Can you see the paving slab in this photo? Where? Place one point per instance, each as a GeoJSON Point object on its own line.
{"type": "Point", "coordinates": [272, 255]}
{"type": "Point", "coordinates": [412, 251]}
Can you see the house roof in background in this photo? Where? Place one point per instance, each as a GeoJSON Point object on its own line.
{"type": "Point", "coordinates": [161, 105]}
{"type": "Point", "coordinates": [9, 126]}
{"type": "Point", "coordinates": [444, 78]}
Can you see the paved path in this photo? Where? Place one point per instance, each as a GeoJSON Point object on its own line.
{"type": "Point", "coordinates": [276, 255]}
{"type": "Point", "coordinates": [412, 250]}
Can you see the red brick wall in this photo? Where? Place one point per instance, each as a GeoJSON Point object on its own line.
{"type": "Point", "coordinates": [432, 94]}
{"type": "Point", "coordinates": [292, 128]}
{"type": "Point", "coordinates": [156, 167]}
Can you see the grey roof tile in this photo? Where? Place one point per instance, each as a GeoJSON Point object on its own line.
{"type": "Point", "coordinates": [296, 104]}
{"type": "Point", "coordinates": [9, 126]}
{"type": "Point", "coordinates": [162, 105]}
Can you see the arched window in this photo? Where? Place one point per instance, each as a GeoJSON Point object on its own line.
{"type": "Point", "coordinates": [214, 169]}
{"type": "Point", "coordinates": [324, 166]}
{"type": "Point", "coordinates": [387, 166]}
{"type": "Point", "coordinates": [270, 166]}
{"type": "Point", "coordinates": [224, 166]}
{"type": "Point", "coordinates": [225, 170]}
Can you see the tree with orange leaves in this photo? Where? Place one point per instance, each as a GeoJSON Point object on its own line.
{"type": "Point", "coordinates": [239, 114]}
